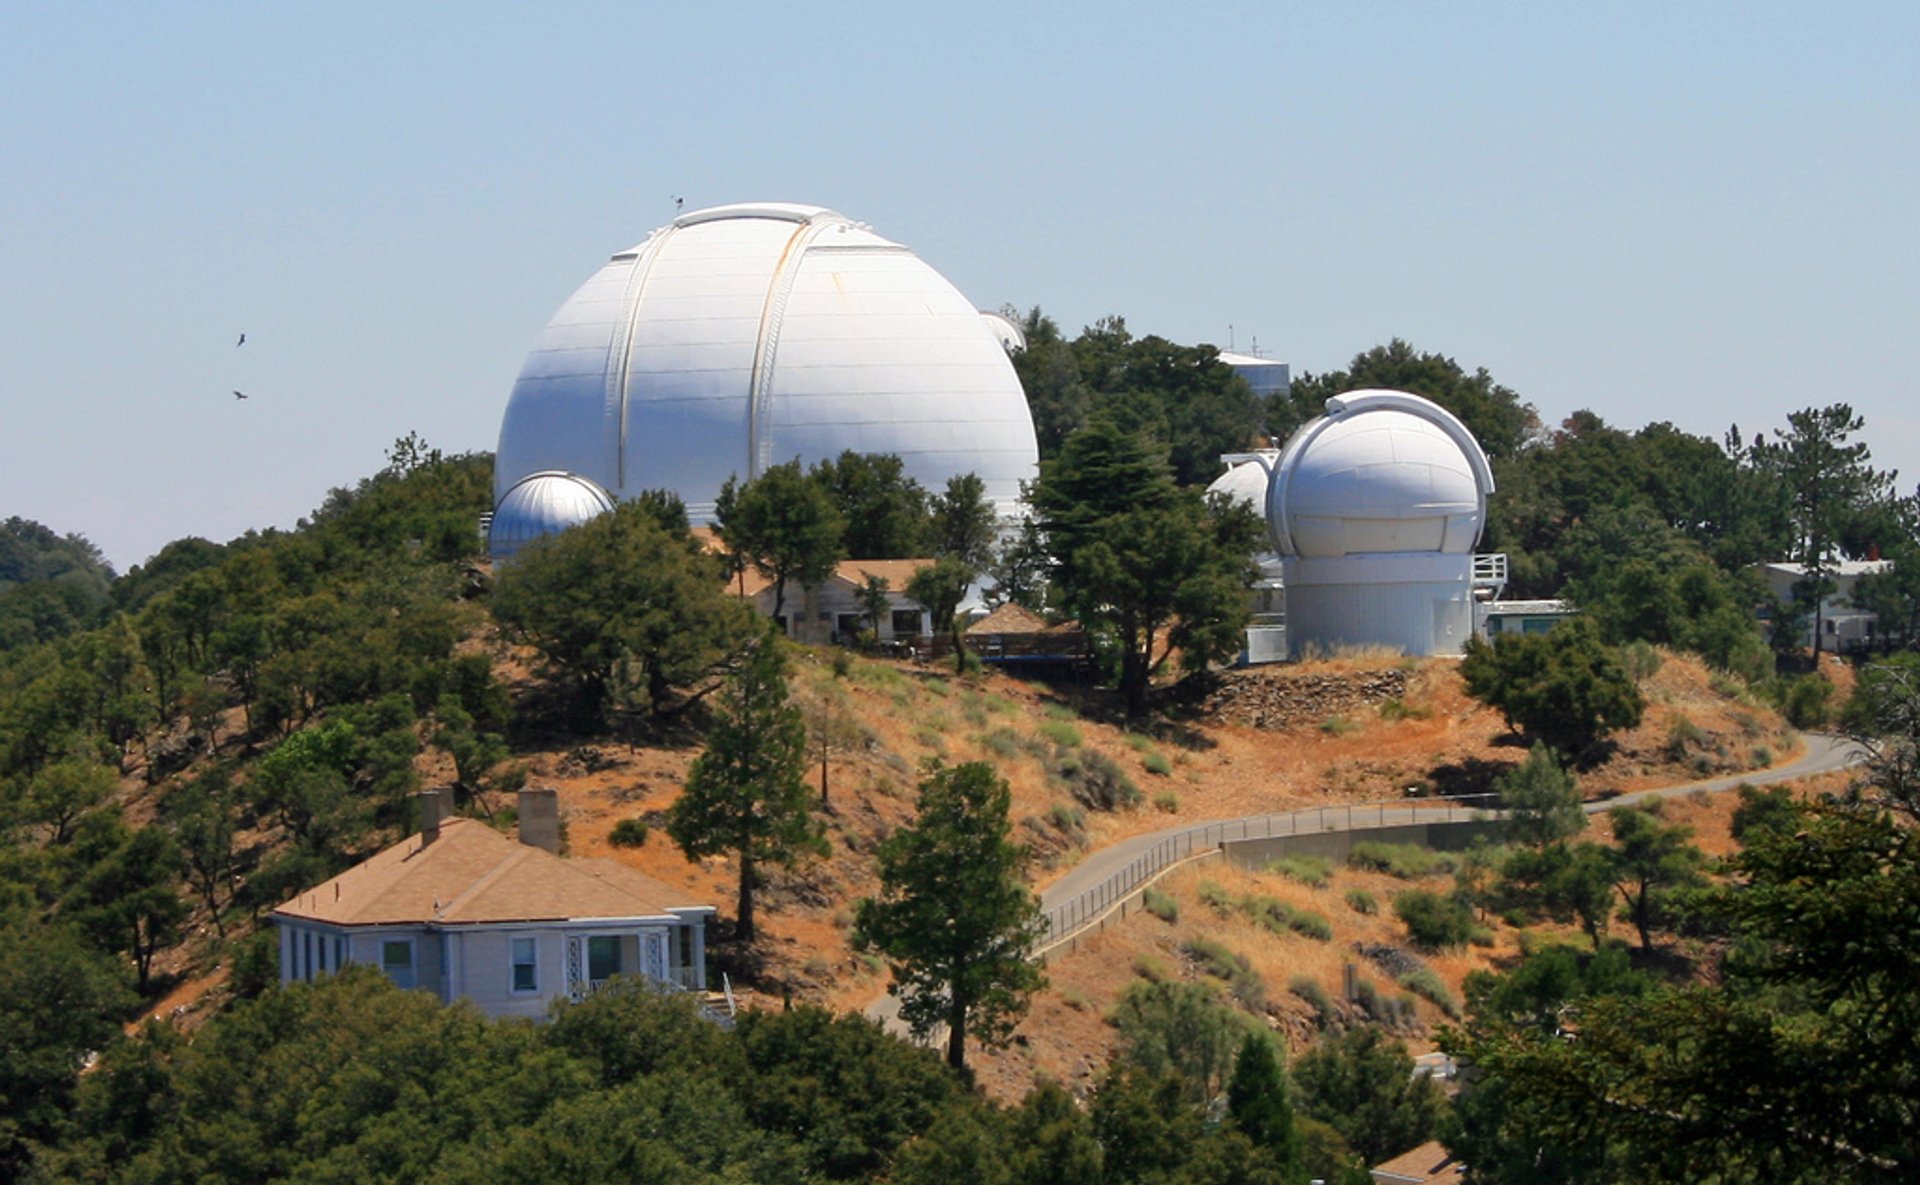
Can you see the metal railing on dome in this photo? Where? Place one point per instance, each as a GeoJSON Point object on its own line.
{"type": "Point", "coordinates": [1089, 906]}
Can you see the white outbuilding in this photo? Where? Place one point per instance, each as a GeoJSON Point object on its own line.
{"type": "Point", "coordinates": [1374, 509]}
{"type": "Point", "coordinates": [744, 336]}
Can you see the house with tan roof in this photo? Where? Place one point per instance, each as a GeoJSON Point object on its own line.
{"type": "Point", "coordinates": [507, 923]}
{"type": "Point", "coordinates": [831, 611]}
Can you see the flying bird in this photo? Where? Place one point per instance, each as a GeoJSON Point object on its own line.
{"type": "Point", "coordinates": [239, 395]}
{"type": "Point", "coordinates": [241, 342]}
{"type": "Point", "coordinates": [679, 203]}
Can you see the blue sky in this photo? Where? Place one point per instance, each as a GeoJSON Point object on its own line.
{"type": "Point", "coordinates": [1700, 213]}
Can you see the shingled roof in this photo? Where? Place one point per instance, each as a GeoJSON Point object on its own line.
{"type": "Point", "coordinates": [471, 873]}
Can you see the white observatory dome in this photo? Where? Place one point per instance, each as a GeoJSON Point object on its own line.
{"type": "Point", "coordinates": [542, 504]}
{"type": "Point", "coordinates": [1381, 472]}
{"type": "Point", "coordinates": [741, 337]}
{"type": "Point", "coordinates": [1246, 479]}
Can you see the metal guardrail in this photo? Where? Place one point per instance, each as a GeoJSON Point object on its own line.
{"type": "Point", "coordinates": [1090, 905]}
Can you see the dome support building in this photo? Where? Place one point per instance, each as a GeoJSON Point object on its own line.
{"type": "Point", "coordinates": [1374, 509]}
{"type": "Point", "coordinates": [744, 336]}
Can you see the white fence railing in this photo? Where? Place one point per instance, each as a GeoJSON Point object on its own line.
{"type": "Point", "coordinates": [1090, 905]}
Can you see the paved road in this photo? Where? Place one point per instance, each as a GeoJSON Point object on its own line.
{"type": "Point", "coordinates": [1824, 753]}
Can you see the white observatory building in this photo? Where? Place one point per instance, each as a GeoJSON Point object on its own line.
{"type": "Point", "coordinates": [1374, 510]}
{"type": "Point", "coordinates": [745, 336]}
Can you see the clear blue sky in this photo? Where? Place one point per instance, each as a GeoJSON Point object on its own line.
{"type": "Point", "coordinates": [1702, 213]}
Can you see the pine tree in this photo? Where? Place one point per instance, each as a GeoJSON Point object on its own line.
{"type": "Point", "coordinates": [746, 795]}
{"type": "Point", "coordinates": [954, 915]}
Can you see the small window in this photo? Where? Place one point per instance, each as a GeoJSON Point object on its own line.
{"type": "Point", "coordinates": [848, 625]}
{"type": "Point", "coordinates": [396, 959]}
{"type": "Point", "coordinates": [906, 623]}
{"type": "Point", "coordinates": [525, 970]}
{"type": "Point", "coordinates": [603, 957]}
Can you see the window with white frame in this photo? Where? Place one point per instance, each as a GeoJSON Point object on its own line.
{"type": "Point", "coordinates": [526, 970]}
{"type": "Point", "coordinates": [396, 959]}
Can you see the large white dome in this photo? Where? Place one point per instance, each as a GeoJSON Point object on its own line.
{"type": "Point", "coordinates": [744, 336]}
{"type": "Point", "coordinates": [1381, 472]}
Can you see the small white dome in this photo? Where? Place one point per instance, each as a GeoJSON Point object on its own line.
{"type": "Point", "coordinates": [1381, 472]}
{"type": "Point", "coordinates": [1246, 481]}
{"type": "Point", "coordinates": [542, 504]}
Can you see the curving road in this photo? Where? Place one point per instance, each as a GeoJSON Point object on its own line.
{"type": "Point", "coordinates": [1824, 753]}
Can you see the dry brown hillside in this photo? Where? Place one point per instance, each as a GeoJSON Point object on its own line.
{"type": "Point", "coordinates": [1331, 731]}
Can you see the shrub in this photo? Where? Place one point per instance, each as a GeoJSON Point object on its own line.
{"type": "Point", "coordinates": [1001, 742]}
{"type": "Point", "coordinates": [1309, 924]}
{"type": "Point", "coordinates": [1362, 902]}
{"type": "Point", "coordinates": [1215, 958]}
{"type": "Point", "coordinates": [1138, 743]}
{"type": "Point", "coordinates": [1161, 905]}
{"type": "Point", "coordinates": [1060, 733]}
{"type": "Point", "coordinates": [1308, 870]}
{"type": "Point", "coordinates": [1151, 969]}
{"type": "Point", "coordinates": [1433, 921]}
{"type": "Point", "coordinates": [1075, 999]}
{"type": "Point", "coordinates": [1218, 898]}
{"type": "Point", "coordinates": [1167, 801]}
{"type": "Point", "coordinates": [1157, 764]}
{"type": "Point", "coordinates": [1403, 860]}
{"type": "Point", "coordinates": [1095, 779]}
{"type": "Point", "coordinates": [1399, 709]}
{"type": "Point", "coordinates": [1806, 702]}
{"type": "Point", "coordinates": [1309, 989]}
{"type": "Point", "coordinates": [1640, 659]}
{"type": "Point", "coordinates": [628, 833]}
{"type": "Point", "coordinates": [1070, 820]}
{"type": "Point", "coordinates": [1338, 726]}
{"type": "Point", "coordinates": [1425, 983]}
{"type": "Point", "coordinates": [842, 664]}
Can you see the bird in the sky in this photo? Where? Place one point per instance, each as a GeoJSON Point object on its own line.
{"type": "Point", "coordinates": [239, 395]}
{"type": "Point", "coordinates": [241, 342]}
{"type": "Point", "coordinates": [679, 203]}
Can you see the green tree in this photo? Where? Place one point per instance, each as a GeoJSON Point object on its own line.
{"type": "Point", "coordinates": [884, 511]}
{"type": "Point", "coordinates": [1051, 1140]}
{"type": "Point", "coordinates": [1799, 1065]}
{"type": "Point", "coordinates": [202, 817]}
{"type": "Point", "coordinates": [874, 602]}
{"type": "Point", "coordinates": [59, 1000]}
{"type": "Point", "coordinates": [746, 794]}
{"type": "Point", "coordinates": [1138, 560]}
{"type": "Point", "coordinates": [963, 523]}
{"type": "Point", "coordinates": [1362, 1085]}
{"type": "Point", "coordinates": [128, 900]}
{"type": "Point", "coordinates": [784, 525]}
{"type": "Point", "coordinates": [1181, 1029]}
{"type": "Point", "coordinates": [618, 593]}
{"type": "Point", "coordinates": [1540, 799]}
{"type": "Point", "coordinates": [58, 794]}
{"type": "Point", "coordinates": [954, 917]}
{"type": "Point", "coordinates": [1650, 861]}
{"type": "Point", "coordinates": [1565, 688]}
{"type": "Point", "coordinates": [940, 587]}
{"type": "Point", "coordinates": [1835, 493]}
{"type": "Point", "coordinates": [1893, 597]}
{"type": "Point", "coordinates": [1493, 413]}
{"type": "Point", "coordinates": [1884, 721]}
{"type": "Point", "coordinates": [1258, 1103]}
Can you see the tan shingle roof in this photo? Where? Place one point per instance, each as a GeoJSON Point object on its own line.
{"type": "Point", "coordinates": [1429, 1164]}
{"type": "Point", "coordinates": [472, 873]}
{"type": "Point", "coordinates": [854, 572]}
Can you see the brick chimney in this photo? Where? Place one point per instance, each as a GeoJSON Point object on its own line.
{"type": "Point", "coordinates": [432, 808]}
{"type": "Point", "coordinates": [540, 819]}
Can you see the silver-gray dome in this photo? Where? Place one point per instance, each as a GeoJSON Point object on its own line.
{"type": "Point", "coordinates": [542, 504]}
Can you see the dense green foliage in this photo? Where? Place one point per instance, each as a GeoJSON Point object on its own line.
{"type": "Point", "coordinates": [1541, 802]}
{"type": "Point", "coordinates": [1565, 688]}
{"type": "Point", "coordinates": [1189, 401]}
{"type": "Point", "coordinates": [629, 609]}
{"type": "Point", "coordinates": [1149, 567]}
